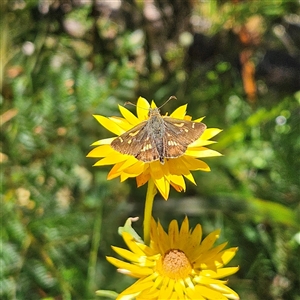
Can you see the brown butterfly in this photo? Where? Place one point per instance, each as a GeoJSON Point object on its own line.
{"type": "Point", "coordinates": [158, 137]}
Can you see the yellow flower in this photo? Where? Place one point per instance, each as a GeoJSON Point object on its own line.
{"type": "Point", "coordinates": [176, 265]}
{"type": "Point", "coordinates": [172, 172]}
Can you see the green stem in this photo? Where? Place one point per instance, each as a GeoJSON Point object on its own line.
{"type": "Point", "coordinates": [91, 276]}
{"type": "Point", "coordinates": [151, 192]}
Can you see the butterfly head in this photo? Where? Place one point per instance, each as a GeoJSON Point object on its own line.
{"type": "Point", "coordinates": [156, 110]}
{"type": "Point", "coordinates": [153, 112]}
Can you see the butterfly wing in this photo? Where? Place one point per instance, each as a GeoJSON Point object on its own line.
{"type": "Point", "coordinates": [171, 141]}
{"type": "Point", "coordinates": [136, 142]}
{"type": "Point", "coordinates": [179, 134]}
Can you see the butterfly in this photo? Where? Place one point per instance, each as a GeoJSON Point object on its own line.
{"type": "Point", "coordinates": [158, 138]}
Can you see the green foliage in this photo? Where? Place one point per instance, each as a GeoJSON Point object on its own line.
{"type": "Point", "coordinates": [60, 64]}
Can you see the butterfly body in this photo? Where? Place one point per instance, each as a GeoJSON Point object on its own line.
{"type": "Point", "coordinates": [158, 138]}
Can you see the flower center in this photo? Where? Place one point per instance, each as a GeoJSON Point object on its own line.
{"type": "Point", "coordinates": [176, 265]}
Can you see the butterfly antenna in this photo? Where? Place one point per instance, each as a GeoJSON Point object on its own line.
{"type": "Point", "coordinates": [171, 98]}
{"type": "Point", "coordinates": [128, 102]}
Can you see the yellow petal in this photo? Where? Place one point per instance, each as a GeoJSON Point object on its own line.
{"type": "Point", "coordinates": [199, 119]}
{"type": "Point", "coordinates": [153, 105]}
{"type": "Point", "coordinates": [113, 173]}
{"type": "Point", "coordinates": [177, 188]}
{"type": "Point", "coordinates": [194, 241]}
{"type": "Point", "coordinates": [137, 287]}
{"type": "Point", "coordinates": [179, 112]}
{"type": "Point", "coordinates": [154, 237]}
{"type": "Point", "coordinates": [179, 289]}
{"type": "Point", "coordinates": [159, 175]}
{"type": "Point", "coordinates": [212, 255]}
{"type": "Point", "coordinates": [122, 123]}
{"type": "Point", "coordinates": [103, 142]}
{"type": "Point", "coordinates": [163, 239]}
{"type": "Point", "coordinates": [156, 170]}
{"type": "Point", "coordinates": [178, 181]}
{"type": "Point", "coordinates": [124, 176]}
{"type": "Point", "coordinates": [148, 294]}
{"type": "Point", "coordinates": [173, 234]}
{"type": "Point", "coordinates": [205, 280]}
{"type": "Point", "coordinates": [158, 281]}
{"type": "Point", "coordinates": [201, 142]}
{"type": "Point", "coordinates": [142, 108]}
{"type": "Point", "coordinates": [133, 171]}
{"type": "Point", "coordinates": [163, 187]}
{"type": "Point", "coordinates": [208, 242]}
{"type": "Point", "coordinates": [163, 288]}
{"type": "Point", "coordinates": [190, 178]}
{"type": "Point", "coordinates": [209, 293]}
{"type": "Point", "coordinates": [184, 233]}
{"type": "Point", "coordinates": [111, 159]}
{"type": "Point", "coordinates": [192, 294]}
{"type": "Point", "coordinates": [142, 179]}
{"type": "Point", "coordinates": [130, 256]}
{"type": "Point", "coordinates": [220, 273]}
{"type": "Point", "coordinates": [127, 297]}
{"type": "Point", "coordinates": [128, 268]}
{"type": "Point", "coordinates": [109, 124]}
{"type": "Point", "coordinates": [195, 164]}
{"type": "Point", "coordinates": [142, 261]}
{"type": "Point", "coordinates": [129, 116]}
{"type": "Point", "coordinates": [228, 254]}
{"type": "Point", "coordinates": [166, 290]}
{"type": "Point", "coordinates": [201, 152]}
{"type": "Point", "coordinates": [226, 291]}
{"type": "Point", "coordinates": [128, 162]}
{"type": "Point", "coordinates": [101, 151]}
{"type": "Point", "coordinates": [132, 244]}
{"type": "Point", "coordinates": [210, 132]}
{"type": "Point", "coordinates": [177, 167]}
{"type": "Point", "coordinates": [132, 166]}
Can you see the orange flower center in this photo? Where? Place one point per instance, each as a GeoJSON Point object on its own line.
{"type": "Point", "coordinates": [176, 265]}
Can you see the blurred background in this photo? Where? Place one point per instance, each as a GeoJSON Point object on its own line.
{"type": "Point", "coordinates": [235, 62]}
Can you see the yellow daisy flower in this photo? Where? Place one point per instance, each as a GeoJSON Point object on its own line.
{"type": "Point", "coordinates": [172, 172]}
{"type": "Point", "coordinates": [176, 265]}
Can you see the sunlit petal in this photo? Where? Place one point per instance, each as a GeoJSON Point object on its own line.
{"type": "Point", "coordinates": [101, 151]}
{"type": "Point", "coordinates": [179, 112]}
{"type": "Point", "coordinates": [109, 160]}
{"type": "Point", "coordinates": [210, 133]}
{"type": "Point", "coordinates": [142, 179]}
{"type": "Point", "coordinates": [129, 116]}
{"type": "Point", "coordinates": [109, 124]}
{"type": "Point", "coordinates": [190, 177]}
{"type": "Point", "coordinates": [103, 142]}
{"type": "Point", "coordinates": [202, 152]}
{"type": "Point", "coordinates": [195, 164]}
{"type": "Point", "coordinates": [142, 109]}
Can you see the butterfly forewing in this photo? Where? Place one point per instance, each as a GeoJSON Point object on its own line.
{"type": "Point", "coordinates": [131, 142]}
{"type": "Point", "coordinates": [138, 143]}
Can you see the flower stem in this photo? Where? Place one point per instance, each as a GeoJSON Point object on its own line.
{"type": "Point", "coordinates": [151, 192]}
